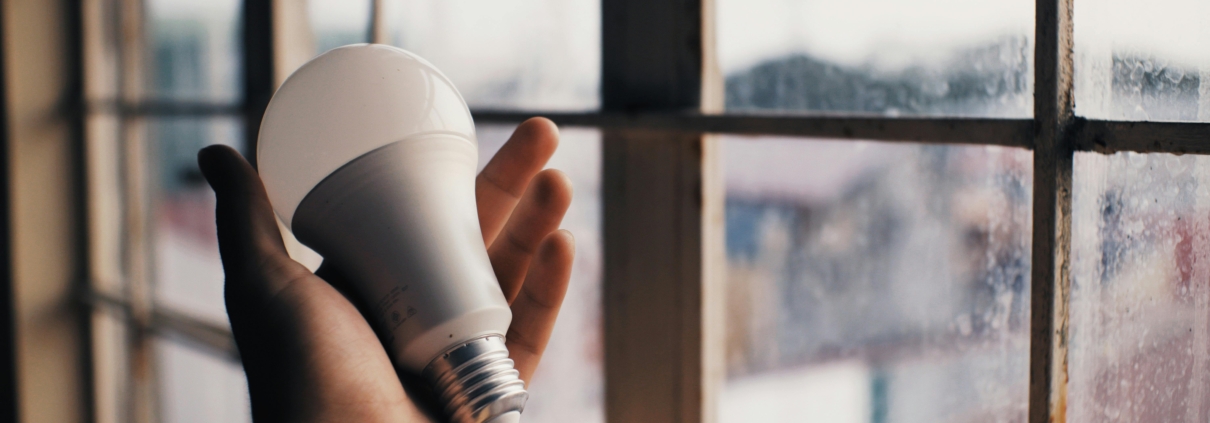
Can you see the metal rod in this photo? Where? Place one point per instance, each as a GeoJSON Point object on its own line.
{"type": "Point", "coordinates": [259, 67]}
{"type": "Point", "coordinates": [378, 23]}
{"type": "Point", "coordinates": [1142, 137]}
{"type": "Point", "coordinates": [1101, 136]}
{"type": "Point", "coordinates": [214, 338]}
{"type": "Point", "coordinates": [166, 108]}
{"type": "Point", "coordinates": [1007, 132]}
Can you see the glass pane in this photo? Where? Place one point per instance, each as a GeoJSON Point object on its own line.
{"type": "Point", "coordinates": [1140, 307]}
{"type": "Point", "coordinates": [886, 57]}
{"type": "Point", "coordinates": [875, 282]}
{"type": "Point", "coordinates": [188, 272]}
{"type": "Point", "coordinates": [193, 50]}
{"type": "Point", "coordinates": [339, 22]}
{"type": "Point", "coordinates": [1143, 59]}
{"type": "Point", "coordinates": [569, 385]}
{"type": "Point", "coordinates": [530, 54]}
{"type": "Point", "coordinates": [199, 387]}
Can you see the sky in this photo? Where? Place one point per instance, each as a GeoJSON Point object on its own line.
{"type": "Point", "coordinates": [1176, 30]}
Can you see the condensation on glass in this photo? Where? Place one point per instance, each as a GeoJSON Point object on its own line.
{"type": "Point", "coordinates": [528, 54]}
{"type": "Point", "coordinates": [569, 386]}
{"type": "Point", "coordinates": [884, 57]}
{"type": "Point", "coordinates": [192, 50]}
{"type": "Point", "coordinates": [876, 282]}
{"type": "Point", "coordinates": [1140, 304]}
{"type": "Point", "coordinates": [1143, 60]}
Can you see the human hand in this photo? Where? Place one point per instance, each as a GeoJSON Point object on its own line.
{"type": "Point", "coordinates": [310, 355]}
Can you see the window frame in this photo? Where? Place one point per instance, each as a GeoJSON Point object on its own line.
{"type": "Point", "coordinates": [661, 104]}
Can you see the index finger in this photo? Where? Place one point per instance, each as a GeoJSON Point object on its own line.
{"type": "Point", "coordinates": [500, 185]}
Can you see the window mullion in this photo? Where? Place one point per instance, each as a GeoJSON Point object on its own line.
{"type": "Point", "coordinates": [258, 68]}
{"type": "Point", "coordinates": [135, 193]}
{"type": "Point", "coordinates": [662, 220]}
{"type": "Point", "coordinates": [378, 23]}
{"type": "Point", "coordinates": [277, 39]}
{"type": "Point", "coordinates": [1053, 158]}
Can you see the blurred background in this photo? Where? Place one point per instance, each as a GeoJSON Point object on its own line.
{"type": "Point", "coordinates": [865, 281]}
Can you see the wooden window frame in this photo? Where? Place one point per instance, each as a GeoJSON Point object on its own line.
{"type": "Point", "coordinates": [661, 101]}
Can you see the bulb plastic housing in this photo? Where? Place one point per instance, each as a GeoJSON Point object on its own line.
{"type": "Point", "coordinates": [368, 154]}
{"type": "Point", "coordinates": [345, 103]}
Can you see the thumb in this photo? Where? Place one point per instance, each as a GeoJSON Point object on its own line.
{"type": "Point", "coordinates": [256, 267]}
{"type": "Point", "coordinates": [254, 256]}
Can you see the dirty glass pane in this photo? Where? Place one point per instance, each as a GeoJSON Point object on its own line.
{"type": "Point", "coordinates": [335, 23]}
{"type": "Point", "coordinates": [883, 57]}
{"type": "Point", "coordinates": [188, 274]}
{"type": "Point", "coordinates": [198, 387]}
{"type": "Point", "coordinates": [569, 385]}
{"type": "Point", "coordinates": [526, 54]}
{"type": "Point", "coordinates": [1140, 305]}
{"type": "Point", "coordinates": [876, 282]}
{"type": "Point", "coordinates": [193, 50]}
{"type": "Point", "coordinates": [1146, 60]}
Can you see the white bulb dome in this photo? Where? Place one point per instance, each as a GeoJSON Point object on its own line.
{"type": "Point", "coordinates": [345, 103]}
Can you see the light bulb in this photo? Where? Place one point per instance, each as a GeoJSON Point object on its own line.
{"type": "Point", "coordinates": [368, 154]}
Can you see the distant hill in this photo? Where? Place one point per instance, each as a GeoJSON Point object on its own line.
{"type": "Point", "coordinates": [1149, 88]}
{"type": "Point", "coordinates": [989, 80]}
{"type": "Point", "coordinates": [993, 80]}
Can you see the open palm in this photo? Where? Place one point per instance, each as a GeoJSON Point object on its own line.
{"type": "Point", "coordinates": [309, 354]}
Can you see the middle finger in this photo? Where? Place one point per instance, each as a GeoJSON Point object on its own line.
{"type": "Point", "coordinates": [539, 213]}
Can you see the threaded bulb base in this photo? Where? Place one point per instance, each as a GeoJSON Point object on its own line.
{"type": "Point", "coordinates": [477, 383]}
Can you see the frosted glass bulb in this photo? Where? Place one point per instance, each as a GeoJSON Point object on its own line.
{"type": "Point", "coordinates": [368, 154]}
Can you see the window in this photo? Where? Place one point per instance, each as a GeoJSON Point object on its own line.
{"type": "Point", "coordinates": [876, 282]}
{"type": "Point", "coordinates": [880, 211]}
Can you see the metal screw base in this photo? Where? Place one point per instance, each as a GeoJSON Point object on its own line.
{"type": "Point", "coordinates": [476, 381]}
